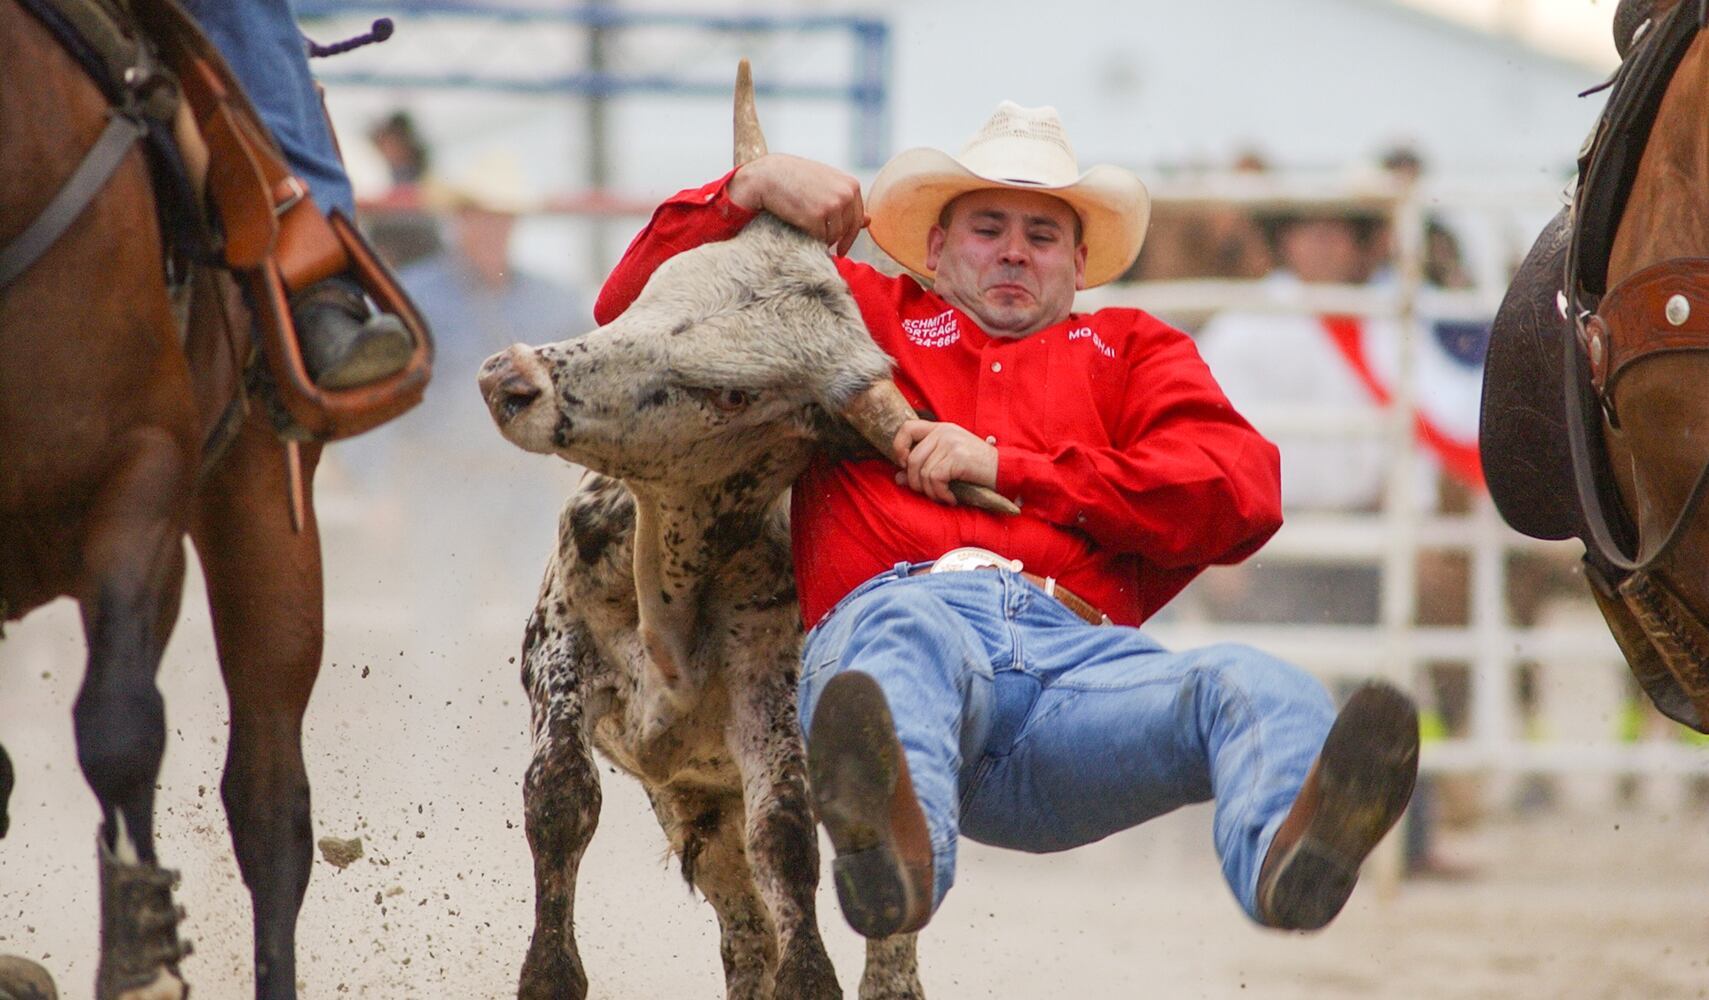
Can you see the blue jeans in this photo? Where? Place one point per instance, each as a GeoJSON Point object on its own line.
{"type": "Point", "coordinates": [1026, 728]}
{"type": "Point", "coordinates": [261, 41]}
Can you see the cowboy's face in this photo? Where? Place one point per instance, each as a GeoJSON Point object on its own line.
{"type": "Point", "coordinates": [1010, 259]}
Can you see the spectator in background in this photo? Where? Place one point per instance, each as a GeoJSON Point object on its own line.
{"type": "Point", "coordinates": [401, 145]}
{"type": "Point", "coordinates": [1205, 241]}
{"type": "Point", "coordinates": [1266, 360]}
{"type": "Point", "coordinates": [1444, 264]}
{"type": "Point", "coordinates": [1403, 163]}
{"type": "Point", "coordinates": [398, 220]}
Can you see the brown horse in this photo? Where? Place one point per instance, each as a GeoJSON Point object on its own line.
{"type": "Point", "coordinates": [1595, 423]}
{"type": "Point", "coordinates": [113, 447]}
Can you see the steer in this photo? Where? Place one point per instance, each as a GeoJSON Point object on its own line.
{"type": "Point", "coordinates": [667, 632]}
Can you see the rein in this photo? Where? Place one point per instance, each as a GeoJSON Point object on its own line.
{"type": "Point", "coordinates": [136, 109]}
{"type": "Point", "coordinates": [1601, 542]}
{"type": "Point", "coordinates": [1608, 168]}
{"type": "Point", "coordinates": [122, 132]}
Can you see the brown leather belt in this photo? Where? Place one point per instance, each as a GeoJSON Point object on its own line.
{"type": "Point", "coordinates": [970, 557]}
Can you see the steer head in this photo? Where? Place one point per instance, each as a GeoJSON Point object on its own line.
{"type": "Point", "coordinates": [707, 398]}
{"type": "Point", "coordinates": [726, 364]}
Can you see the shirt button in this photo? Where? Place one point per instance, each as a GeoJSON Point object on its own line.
{"type": "Point", "coordinates": [996, 366]}
{"type": "Point", "coordinates": [991, 439]}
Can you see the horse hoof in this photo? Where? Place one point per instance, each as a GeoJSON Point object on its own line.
{"type": "Point", "coordinates": [140, 947]}
{"type": "Point", "coordinates": [22, 979]}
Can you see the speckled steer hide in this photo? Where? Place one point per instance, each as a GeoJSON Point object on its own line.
{"type": "Point", "coordinates": [667, 633]}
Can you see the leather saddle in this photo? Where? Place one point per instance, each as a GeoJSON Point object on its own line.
{"type": "Point", "coordinates": [1523, 432]}
{"type": "Point", "coordinates": [147, 56]}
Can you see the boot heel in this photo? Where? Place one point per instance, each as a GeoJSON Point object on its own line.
{"type": "Point", "coordinates": [875, 898]}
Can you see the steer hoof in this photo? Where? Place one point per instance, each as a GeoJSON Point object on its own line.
{"type": "Point", "coordinates": [549, 973]}
{"type": "Point", "coordinates": [22, 979]}
{"type": "Point", "coordinates": [808, 976]}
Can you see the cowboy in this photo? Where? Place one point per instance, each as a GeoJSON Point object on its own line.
{"type": "Point", "coordinates": [345, 341]}
{"type": "Point", "coordinates": [971, 674]}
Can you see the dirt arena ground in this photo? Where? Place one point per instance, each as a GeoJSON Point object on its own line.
{"type": "Point", "coordinates": [417, 739]}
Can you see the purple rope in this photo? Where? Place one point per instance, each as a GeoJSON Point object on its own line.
{"type": "Point", "coordinates": [381, 31]}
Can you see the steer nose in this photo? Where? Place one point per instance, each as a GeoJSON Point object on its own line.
{"type": "Point", "coordinates": [506, 385]}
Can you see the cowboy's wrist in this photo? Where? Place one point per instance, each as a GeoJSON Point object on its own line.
{"type": "Point", "coordinates": [747, 186]}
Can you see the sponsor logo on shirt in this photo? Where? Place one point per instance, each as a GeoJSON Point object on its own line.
{"type": "Point", "coordinates": [1083, 332]}
{"type": "Point", "coordinates": [937, 331]}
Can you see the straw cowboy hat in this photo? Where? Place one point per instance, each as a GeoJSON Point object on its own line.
{"type": "Point", "coordinates": [1024, 149]}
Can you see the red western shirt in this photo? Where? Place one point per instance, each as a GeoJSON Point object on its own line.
{"type": "Point", "coordinates": [1132, 470]}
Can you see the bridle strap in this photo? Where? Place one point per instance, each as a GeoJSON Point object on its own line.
{"type": "Point", "coordinates": [91, 175]}
{"type": "Point", "coordinates": [1607, 169]}
{"type": "Point", "coordinates": [1601, 543]}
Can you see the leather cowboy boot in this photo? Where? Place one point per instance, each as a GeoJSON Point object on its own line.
{"type": "Point", "coordinates": [865, 798]}
{"type": "Point", "coordinates": [345, 343]}
{"type": "Point", "coordinates": [1356, 790]}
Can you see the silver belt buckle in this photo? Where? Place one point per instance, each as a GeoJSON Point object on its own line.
{"type": "Point", "coordinates": [972, 557]}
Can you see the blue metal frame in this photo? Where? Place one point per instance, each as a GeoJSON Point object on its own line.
{"type": "Point", "coordinates": [869, 91]}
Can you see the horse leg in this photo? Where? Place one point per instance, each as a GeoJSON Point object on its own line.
{"type": "Point", "coordinates": [892, 969]}
{"type": "Point", "coordinates": [560, 797]}
{"type": "Point", "coordinates": [782, 841]}
{"type": "Point", "coordinates": [264, 593]}
{"type": "Point", "coordinates": [134, 569]}
{"type": "Point", "coordinates": [706, 832]}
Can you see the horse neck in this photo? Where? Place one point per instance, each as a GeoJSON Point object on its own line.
{"type": "Point", "coordinates": [1666, 215]}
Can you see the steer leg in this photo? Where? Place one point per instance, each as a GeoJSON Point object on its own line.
{"type": "Point", "coordinates": [264, 593]}
{"type": "Point", "coordinates": [706, 831]}
{"type": "Point", "coordinates": [5, 790]}
{"type": "Point", "coordinates": [782, 841]}
{"type": "Point", "coordinates": [892, 969]}
{"type": "Point", "coordinates": [560, 798]}
{"type": "Point", "coordinates": [133, 556]}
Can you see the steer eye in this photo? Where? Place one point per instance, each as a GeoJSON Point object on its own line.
{"type": "Point", "coordinates": [724, 400]}
{"type": "Point", "coordinates": [730, 400]}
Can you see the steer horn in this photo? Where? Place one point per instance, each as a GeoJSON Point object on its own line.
{"type": "Point", "coordinates": [879, 412]}
{"type": "Point", "coordinates": [750, 141]}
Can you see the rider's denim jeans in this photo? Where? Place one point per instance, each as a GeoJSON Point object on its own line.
{"type": "Point", "coordinates": [1024, 727]}
{"type": "Point", "coordinates": [261, 41]}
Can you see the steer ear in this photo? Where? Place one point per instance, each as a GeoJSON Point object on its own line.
{"type": "Point", "coordinates": [750, 142]}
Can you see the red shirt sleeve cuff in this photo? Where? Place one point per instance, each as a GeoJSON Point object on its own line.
{"type": "Point", "coordinates": [717, 194]}
{"type": "Point", "coordinates": [1021, 475]}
